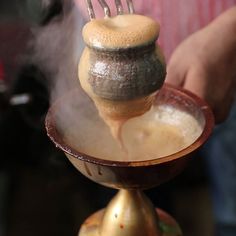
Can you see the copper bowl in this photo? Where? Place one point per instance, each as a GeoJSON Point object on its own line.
{"type": "Point", "coordinates": [137, 174]}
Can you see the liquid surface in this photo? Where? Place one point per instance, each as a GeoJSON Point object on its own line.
{"type": "Point", "coordinates": [161, 131]}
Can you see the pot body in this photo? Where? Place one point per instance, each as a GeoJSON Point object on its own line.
{"type": "Point", "coordinates": [123, 74]}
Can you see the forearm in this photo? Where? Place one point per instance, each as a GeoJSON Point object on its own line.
{"type": "Point", "coordinates": [225, 24]}
{"type": "Point", "coordinates": [219, 44]}
{"type": "Point", "coordinates": [229, 17]}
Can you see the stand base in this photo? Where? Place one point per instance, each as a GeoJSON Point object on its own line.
{"type": "Point", "coordinates": [168, 226]}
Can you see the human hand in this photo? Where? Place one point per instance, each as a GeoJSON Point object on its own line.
{"type": "Point", "coordinates": [205, 63]}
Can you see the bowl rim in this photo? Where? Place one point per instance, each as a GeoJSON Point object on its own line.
{"type": "Point", "coordinates": [56, 138]}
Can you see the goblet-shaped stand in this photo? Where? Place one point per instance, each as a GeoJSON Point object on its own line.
{"type": "Point", "coordinates": [130, 212]}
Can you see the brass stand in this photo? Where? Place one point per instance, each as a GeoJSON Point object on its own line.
{"type": "Point", "coordinates": [130, 213]}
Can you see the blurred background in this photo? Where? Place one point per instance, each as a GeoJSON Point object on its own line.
{"type": "Point", "coordinates": [40, 191]}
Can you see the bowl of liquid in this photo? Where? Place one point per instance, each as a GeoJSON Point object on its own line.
{"type": "Point", "coordinates": [155, 146]}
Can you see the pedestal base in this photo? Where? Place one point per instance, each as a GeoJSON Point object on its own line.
{"type": "Point", "coordinates": [168, 226]}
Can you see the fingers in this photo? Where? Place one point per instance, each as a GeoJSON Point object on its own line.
{"type": "Point", "coordinates": [196, 80]}
{"type": "Point", "coordinates": [218, 93]}
{"type": "Point", "coordinates": [176, 73]}
{"type": "Point", "coordinates": [222, 111]}
{"type": "Point", "coordinates": [222, 108]}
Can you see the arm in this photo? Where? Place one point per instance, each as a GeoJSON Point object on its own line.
{"type": "Point", "coordinates": [205, 63]}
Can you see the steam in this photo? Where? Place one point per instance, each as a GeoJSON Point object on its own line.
{"type": "Point", "coordinates": [57, 48]}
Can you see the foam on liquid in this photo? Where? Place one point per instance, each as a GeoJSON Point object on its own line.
{"type": "Point", "coordinates": [161, 131]}
{"type": "Point", "coordinates": [121, 31]}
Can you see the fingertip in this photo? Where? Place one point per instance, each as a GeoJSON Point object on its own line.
{"type": "Point", "coordinates": [173, 77]}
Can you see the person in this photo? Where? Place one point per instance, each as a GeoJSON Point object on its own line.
{"type": "Point", "coordinates": [199, 40]}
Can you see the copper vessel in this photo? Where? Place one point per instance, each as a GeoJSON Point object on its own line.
{"type": "Point", "coordinates": [130, 213]}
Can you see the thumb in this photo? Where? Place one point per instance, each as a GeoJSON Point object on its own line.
{"type": "Point", "coordinates": [175, 74]}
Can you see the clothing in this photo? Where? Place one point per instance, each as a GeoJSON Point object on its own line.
{"type": "Point", "coordinates": [220, 156]}
{"type": "Point", "coordinates": [180, 18]}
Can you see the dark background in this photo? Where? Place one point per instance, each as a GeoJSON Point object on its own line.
{"type": "Point", "coordinates": [40, 192]}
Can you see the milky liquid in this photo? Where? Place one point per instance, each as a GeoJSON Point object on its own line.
{"type": "Point", "coordinates": [160, 132]}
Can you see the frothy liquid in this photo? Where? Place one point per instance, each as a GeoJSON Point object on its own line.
{"type": "Point", "coordinates": [116, 114]}
{"type": "Point", "coordinates": [161, 131]}
{"type": "Point", "coordinates": [121, 31]}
